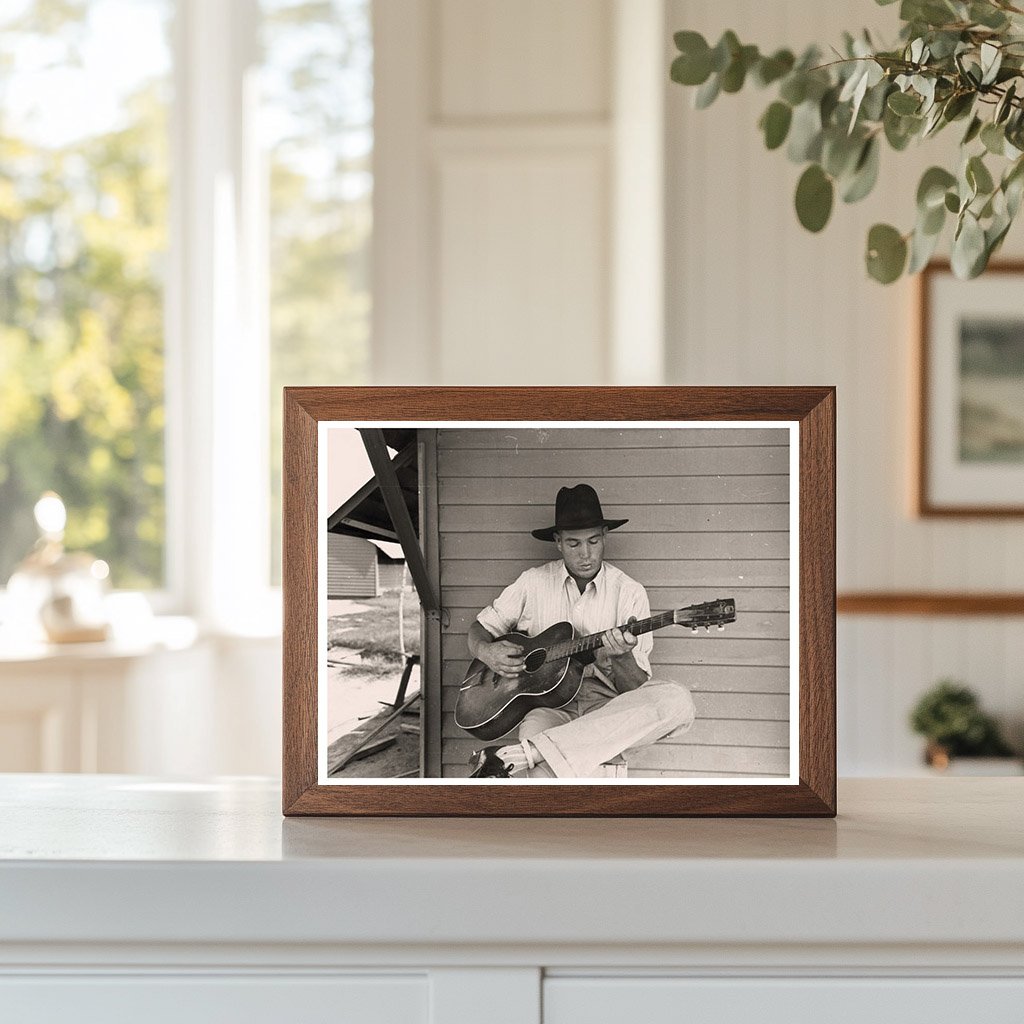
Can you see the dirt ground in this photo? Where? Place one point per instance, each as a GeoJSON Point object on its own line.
{"type": "Point", "coordinates": [359, 699]}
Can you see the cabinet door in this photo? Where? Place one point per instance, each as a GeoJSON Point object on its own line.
{"type": "Point", "coordinates": [783, 1000]}
{"type": "Point", "coordinates": [202, 999]}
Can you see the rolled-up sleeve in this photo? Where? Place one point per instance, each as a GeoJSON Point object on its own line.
{"type": "Point", "coordinates": [635, 604]}
{"type": "Point", "coordinates": [502, 615]}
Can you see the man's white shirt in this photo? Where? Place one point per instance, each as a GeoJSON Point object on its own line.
{"type": "Point", "coordinates": [547, 594]}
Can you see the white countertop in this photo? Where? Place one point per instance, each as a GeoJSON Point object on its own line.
{"type": "Point", "coordinates": [122, 859]}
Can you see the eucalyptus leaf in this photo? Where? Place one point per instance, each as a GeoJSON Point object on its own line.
{"type": "Point", "coordinates": [840, 152]}
{"type": "Point", "coordinates": [925, 88]}
{"type": "Point", "coordinates": [900, 130]}
{"type": "Point", "coordinates": [978, 176]}
{"type": "Point", "coordinates": [865, 173]}
{"type": "Point", "coordinates": [991, 61]}
{"type": "Point", "coordinates": [995, 233]}
{"type": "Point", "coordinates": [987, 15]}
{"type": "Point", "coordinates": [1005, 104]}
{"type": "Point", "coordinates": [968, 247]}
{"type": "Point", "coordinates": [993, 138]}
{"type": "Point", "coordinates": [903, 103]}
{"type": "Point", "coordinates": [932, 221]}
{"type": "Point", "coordinates": [725, 50]}
{"type": "Point", "coordinates": [693, 65]}
{"type": "Point", "coordinates": [973, 129]}
{"type": "Point", "coordinates": [707, 93]}
{"type": "Point", "coordinates": [886, 253]}
{"type": "Point", "coordinates": [952, 202]}
{"type": "Point", "coordinates": [933, 122]}
{"type": "Point", "coordinates": [958, 105]}
{"type": "Point", "coordinates": [922, 248]}
{"type": "Point", "coordinates": [1014, 192]}
{"type": "Point", "coordinates": [735, 74]}
{"type": "Point", "coordinates": [1013, 187]}
{"type": "Point", "coordinates": [873, 106]}
{"type": "Point", "coordinates": [805, 133]}
{"type": "Point", "coordinates": [775, 124]}
{"type": "Point", "coordinates": [931, 190]}
{"type": "Point", "coordinates": [771, 69]}
{"type": "Point", "coordinates": [794, 88]}
{"type": "Point", "coordinates": [814, 195]}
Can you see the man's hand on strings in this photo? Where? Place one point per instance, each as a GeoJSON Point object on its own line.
{"type": "Point", "coordinates": [503, 657]}
{"type": "Point", "coordinates": [618, 642]}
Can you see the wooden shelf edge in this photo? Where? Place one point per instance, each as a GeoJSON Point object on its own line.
{"type": "Point", "coordinates": [928, 603]}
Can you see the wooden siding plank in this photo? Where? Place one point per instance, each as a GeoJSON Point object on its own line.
{"type": "Point", "coordinates": [760, 626]}
{"type": "Point", "coordinates": [648, 773]}
{"type": "Point", "coordinates": [521, 519]}
{"type": "Point", "coordinates": [614, 492]}
{"type": "Point", "coordinates": [765, 707]}
{"type": "Point", "coordinates": [609, 437]}
{"type": "Point", "coordinates": [492, 546]}
{"type": "Point", "coordinates": [694, 757]}
{"type": "Point", "coordinates": [710, 759]}
{"type": "Point", "coordinates": [719, 649]}
{"type": "Point", "coordinates": [767, 599]}
{"type": "Point", "coordinates": [634, 463]}
{"type": "Point", "coordinates": [707, 732]}
{"type": "Point", "coordinates": [683, 573]}
{"type": "Point", "coordinates": [698, 678]}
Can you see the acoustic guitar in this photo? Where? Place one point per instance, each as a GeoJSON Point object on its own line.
{"type": "Point", "coordinates": [491, 705]}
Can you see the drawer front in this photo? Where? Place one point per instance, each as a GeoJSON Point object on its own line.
{"type": "Point", "coordinates": [783, 1000]}
{"type": "Point", "coordinates": [202, 999]}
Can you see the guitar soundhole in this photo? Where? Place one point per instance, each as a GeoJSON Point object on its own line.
{"type": "Point", "coordinates": [534, 660]}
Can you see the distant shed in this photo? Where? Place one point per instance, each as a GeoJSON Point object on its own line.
{"type": "Point", "coordinates": [351, 567]}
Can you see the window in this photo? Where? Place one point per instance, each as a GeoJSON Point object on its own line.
{"type": "Point", "coordinates": [317, 118]}
{"type": "Point", "coordinates": [83, 236]}
{"type": "Point", "coordinates": [185, 221]}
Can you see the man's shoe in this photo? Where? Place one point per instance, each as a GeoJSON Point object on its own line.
{"type": "Point", "coordinates": [487, 765]}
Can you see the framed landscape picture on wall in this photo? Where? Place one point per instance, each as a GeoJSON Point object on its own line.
{"type": "Point", "coordinates": [559, 601]}
{"type": "Point", "coordinates": [970, 451]}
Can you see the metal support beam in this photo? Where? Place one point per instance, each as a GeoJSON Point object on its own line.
{"type": "Point", "coordinates": [391, 491]}
{"type": "Point", "coordinates": [342, 514]}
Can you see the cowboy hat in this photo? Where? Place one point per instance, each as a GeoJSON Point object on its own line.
{"type": "Point", "coordinates": [577, 508]}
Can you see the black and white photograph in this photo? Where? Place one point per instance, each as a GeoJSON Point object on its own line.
{"type": "Point", "coordinates": [549, 602]}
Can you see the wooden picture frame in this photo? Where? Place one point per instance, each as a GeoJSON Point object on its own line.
{"type": "Point", "coordinates": [562, 419]}
{"type": "Point", "coordinates": [960, 470]}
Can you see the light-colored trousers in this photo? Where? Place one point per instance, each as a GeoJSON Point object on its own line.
{"type": "Point", "coordinates": [601, 723]}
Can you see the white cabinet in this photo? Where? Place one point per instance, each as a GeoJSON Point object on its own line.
{"type": "Point", "coordinates": [202, 999]}
{"type": "Point", "coordinates": [132, 898]}
{"type": "Point", "coordinates": [823, 1000]}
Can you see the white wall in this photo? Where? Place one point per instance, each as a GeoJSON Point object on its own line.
{"type": "Point", "coordinates": [754, 299]}
{"type": "Point", "coordinates": [501, 155]}
{"type": "Point", "coordinates": [503, 164]}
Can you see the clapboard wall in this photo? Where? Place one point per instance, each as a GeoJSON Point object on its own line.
{"type": "Point", "coordinates": [709, 514]}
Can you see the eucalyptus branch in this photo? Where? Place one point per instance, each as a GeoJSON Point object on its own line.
{"type": "Point", "coordinates": [833, 117]}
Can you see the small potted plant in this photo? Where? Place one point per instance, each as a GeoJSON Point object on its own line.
{"type": "Point", "coordinates": [951, 719]}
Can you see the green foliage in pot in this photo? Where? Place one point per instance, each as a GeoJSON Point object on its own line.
{"type": "Point", "coordinates": [957, 61]}
{"type": "Point", "coordinates": [949, 716]}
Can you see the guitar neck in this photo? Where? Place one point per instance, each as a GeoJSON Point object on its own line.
{"type": "Point", "coordinates": [582, 644]}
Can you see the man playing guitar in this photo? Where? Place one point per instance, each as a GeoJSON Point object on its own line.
{"type": "Point", "coordinates": [619, 705]}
